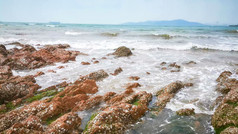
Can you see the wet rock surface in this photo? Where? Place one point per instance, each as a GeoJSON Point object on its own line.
{"type": "Point", "coordinates": [226, 113]}
{"type": "Point", "coordinates": [166, 93]}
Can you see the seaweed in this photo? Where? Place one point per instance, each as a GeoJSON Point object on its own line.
{"type": "Point", "coordinates": [42, 95]}
{"type": "Point", "coordinates": [53, 118]}
{"type": "Point", "coordinates": [91, 118]}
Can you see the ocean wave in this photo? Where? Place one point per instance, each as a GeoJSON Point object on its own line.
{"type": "Point", "coordinates": [7, 40]}
{"type": "Point", "coordinates": [72, 33]}
{"type": "Point", "coordinates": [168, 37]}
{"type": "Point", "coordinates": [51, 25]}
{"type": "Point", "coordinates": [110, 34]}
{"type": "Point", "coordinates": [232, 31]}
{"type": "Point", "coordinates": [163, 36]}
{"type": "Point", "coordinates": [211, 49]}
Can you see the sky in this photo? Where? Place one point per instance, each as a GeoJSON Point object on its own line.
{"type": "Point", "coordinates": [216, 12]}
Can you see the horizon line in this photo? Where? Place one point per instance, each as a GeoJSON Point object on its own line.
{"type": "Point", "coordinates": [124, 23]}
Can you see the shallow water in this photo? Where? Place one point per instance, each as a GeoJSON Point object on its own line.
{"type": "Point", "coordinates": [148, 53]}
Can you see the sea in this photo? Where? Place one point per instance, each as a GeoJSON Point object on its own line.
{"type": "Point", "coordinates": [214, 49]}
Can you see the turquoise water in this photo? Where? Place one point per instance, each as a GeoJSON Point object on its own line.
{"type": "Point", "coordinates": [144, 37]}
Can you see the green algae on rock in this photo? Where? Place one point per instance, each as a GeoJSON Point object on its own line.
{"type": "Point", "coordinates": [226, 114]}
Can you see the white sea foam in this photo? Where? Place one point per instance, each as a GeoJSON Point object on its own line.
{"type": "Point", "coordinates": [72, 33]}
{"type": "Point", "coordinates": [5, 40]}
{"type": "Point", "coordinates": [50, 25]}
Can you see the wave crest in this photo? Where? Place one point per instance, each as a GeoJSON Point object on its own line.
{"type": "Point", "coordinates": [110, 34]}
{"type": "Point", "coordinates": [72, 33]}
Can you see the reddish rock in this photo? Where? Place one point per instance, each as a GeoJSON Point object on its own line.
{"type": "Point", "coordinates": [87, 104]}
{"type": "Point", "coordinates": [51, 71]}
{"type": "Point", "coordinates": [96, 62]}
{"type": "Point", "coordinates": [148, 73]}
{"type": "Point", "coordinates": [117, 71]}
{"type": "Point", "coordinates": [63, 102]}
{"type": "Point", "coordinates": [108, 96]}
{"type": "Point", "coordinates": [134, 77]}
{"type": "Point", "coordinates": [85, 63]}
{"type": "Point", "coordinates": [133, 85]}
{"type": "Point", "coordinates": [117, 117]}
{"type": "Point", "coordinates": [163, 68]}
{"type": "Point", "coordinates": [29, 58]}
{"type": "Point", "coordinates": [5, 72]}
{"type": "Point", "coordinates": [97, 76]}
{"type": "Point", "coordinates": [104, 58]}
{"type": "Point", "coordinates": [185, 112]}
{"type": "Point", "coordinates": [17, 87]}
{"type": "Point", "coordinates": [60, 67]}
{"type": "Point", "coordinates": [39, 74]}
{"type": "Point", "coordinates": [31, 125]}
{"type": "Point", "coordinates": [166, 93]}
{"type": "Point", "coordinates": [66, 124]}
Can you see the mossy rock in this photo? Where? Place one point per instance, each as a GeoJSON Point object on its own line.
{"type": "Point", "coordinates": [226, 115]}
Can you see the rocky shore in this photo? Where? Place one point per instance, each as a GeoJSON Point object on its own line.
{"type": "Point", "coordinates": [25, 109]}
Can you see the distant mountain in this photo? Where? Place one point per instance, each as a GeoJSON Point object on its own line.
{"type": "Point", "coordinates": [233, 25]}
{"type": "Point", "coordinates": [167, 23]}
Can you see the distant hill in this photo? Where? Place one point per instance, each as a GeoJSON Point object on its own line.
{"type": "Point", "coordinates": [233, 25]}
{"type": "Point", "coordinates": [166, 23]}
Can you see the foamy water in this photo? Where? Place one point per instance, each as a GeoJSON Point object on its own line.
{"type": "Point", "coordinates": [149, 50]}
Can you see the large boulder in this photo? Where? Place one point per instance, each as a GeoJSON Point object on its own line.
{"type": "Point", "coordinates": [122, 52]}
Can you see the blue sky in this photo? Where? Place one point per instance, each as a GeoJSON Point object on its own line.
{"type": "Point", "coordinates": [119, 11]}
